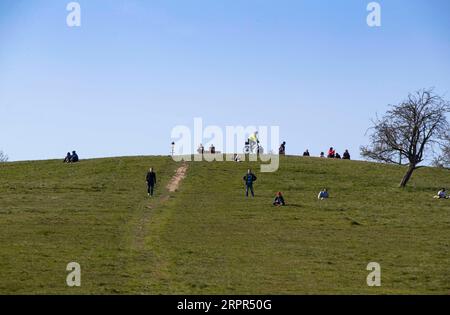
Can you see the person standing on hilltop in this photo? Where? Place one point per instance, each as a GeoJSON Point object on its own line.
{"type": "Point", "coordinates": [151, 181]}
{"type": "Point", "coordinates": [201, 149]}
{"type": "Point", "coordinates": [249, 178]}
{"type": "Point", "coordinates": [282, 149]}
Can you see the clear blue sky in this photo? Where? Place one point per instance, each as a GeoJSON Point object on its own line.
{"type": "Point", "coordinates": [134, 69]}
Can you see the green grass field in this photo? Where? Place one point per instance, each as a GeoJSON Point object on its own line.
{"type": "Point", "coordinates": [207, 238]}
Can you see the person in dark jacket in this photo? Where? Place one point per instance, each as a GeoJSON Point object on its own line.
{"type": "Point", "coordinates": [346, 155]}
{"type": "Point", "coordinates": [201, 149]}
{"type": "Point", "coordinates": [337, 156]}
{"type": "Point", "coordinates": [306, 153]}
{"type": "Point", "coordinates": [279, 200]}
{"type": "Point", "coordinates": [249, 178]}
{"type": "Point", "coordinates": [74, 158]}
{"type": "Point", "coordinates": [282, 149]}
{"type": "Point", "coordinates": [323, 194]}
{"type": "Point", "coordinates": [67, 158]}
{"type": "Point", "coordinates": [151, 181]}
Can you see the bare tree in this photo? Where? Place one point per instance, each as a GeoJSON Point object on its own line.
{"type": "Point", "coordinates": [408, 131]}
{"type": "Point", "coordinates": [3, 157]}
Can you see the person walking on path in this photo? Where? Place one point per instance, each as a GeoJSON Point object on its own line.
{"type": "Point", "coordinates": [151, 181]}
{"type": "Point", "coordinates": [249, 178]}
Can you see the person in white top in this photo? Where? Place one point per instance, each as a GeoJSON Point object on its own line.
{"type": "Point", "coordinates": [442, 194]}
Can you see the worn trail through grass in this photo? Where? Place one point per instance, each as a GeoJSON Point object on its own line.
{"type": "Point", "coordinates": [146, 207]}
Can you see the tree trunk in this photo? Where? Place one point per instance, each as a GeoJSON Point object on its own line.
{"type": "Point", "coordinates": [407, 175]}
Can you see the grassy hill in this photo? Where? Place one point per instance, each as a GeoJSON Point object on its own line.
{"type": "Point", "coordinates": [208, 238]}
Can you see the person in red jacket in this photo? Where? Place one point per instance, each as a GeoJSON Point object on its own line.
{"type": "Point", "coordinates": [331, 153]}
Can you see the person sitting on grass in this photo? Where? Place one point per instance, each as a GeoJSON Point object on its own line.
{"type": "Point", "coordinates": [337, 156]}
{"type": "Point", "coordinates": [323, 194]}
{"type": "Point", "coordinates": [346, 155]}
{"type": "Point", "coordinates": [442, 194]}
{"type": "Point", "coordinates": [74, 158]}
{"type": "Point", "coordinates": [322, 155]}
{"type": "Point", "coordinates": [67, 158]}
{"type": "Point", "coordinates": [331, 153]}
{"type": "Point", "coordinates": [279, 200]}
{"type": "Point", "coordinates": [306, 153]}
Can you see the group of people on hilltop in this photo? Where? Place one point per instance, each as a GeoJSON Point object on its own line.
{"type": "Point", "coordinates": [201, 149]}
{"type": "Point", "coordinates": [71, 158]}
{"type": "Point", "coordinates": [253, 139]}
{"type": "Point", "coordinates": [332, 154]}
{"type": "Point", "coordinates": [251, 142]}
